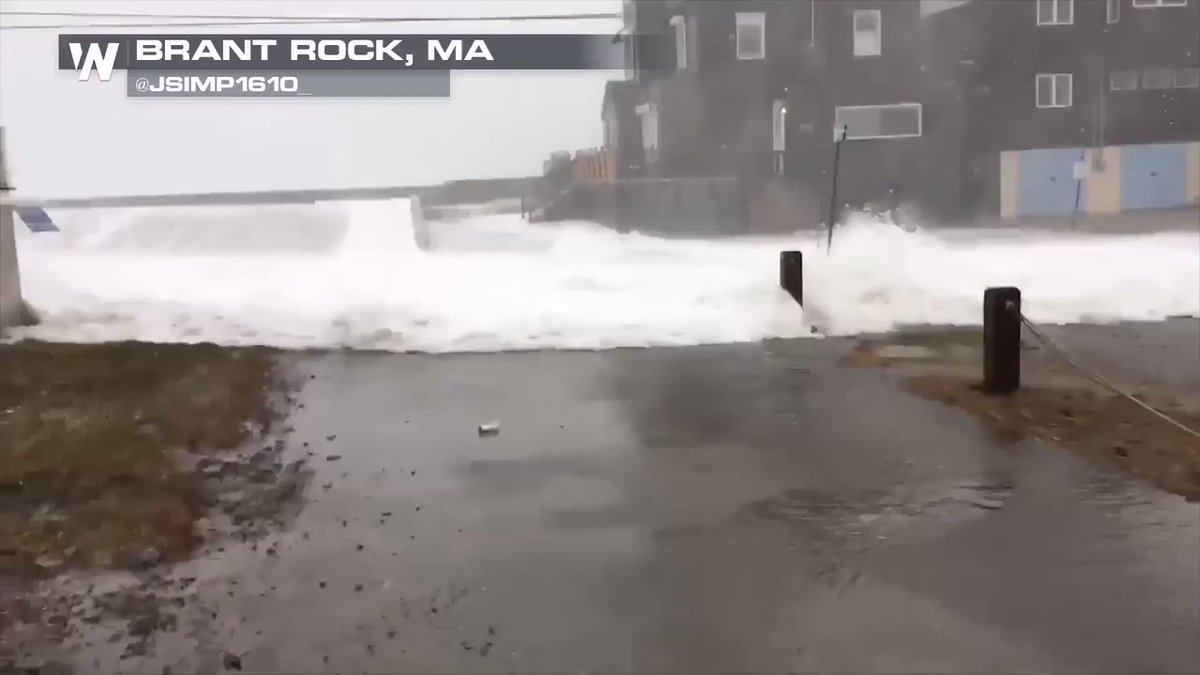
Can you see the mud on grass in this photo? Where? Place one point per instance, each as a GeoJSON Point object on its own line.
{"type": "Point", "coordinates": [1092, 421]}
{"type": "Point", "coordinates": [1055, 404]}
{"type": "Point", "coordinates": [95, 443]}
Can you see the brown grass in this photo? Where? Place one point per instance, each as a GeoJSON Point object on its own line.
{"type": "Point", "coordinates": [1088, 420]}
{"type": "Point", "coordinates": [88, 443]}
{"type": "Point", "coordinates": [1052, 404]}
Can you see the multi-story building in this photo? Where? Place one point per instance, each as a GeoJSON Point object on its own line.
{"type": "Point", "coordinates": [963, 107]}
{"type": "Point", "coordinates": [756, 88]}
{"type": "Point", "coordinates": [1046, 104]}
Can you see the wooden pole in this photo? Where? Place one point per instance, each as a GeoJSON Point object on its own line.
{"type": "Point", "coordinates": [1001, 340]}
{"type": "Point", "coordinates": [791, 274]}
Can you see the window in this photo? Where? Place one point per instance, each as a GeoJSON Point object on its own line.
{"type": "Point", "coordinates": [681, 45]}
{"type": "Point", "coordinates": [1158, 78]}
{"type": "Point", "coordinates": [868, 32]}
{"type": "Point", "coordinates": [1055, 12]}
{"type": "Point", "coordinates": [1123, 80]}
{"type": "Point", "coordinates": [649, 114]}
{"type": "Point", "coordinates": [751, 35]}
{"type": "Point", "coordinates": [1146, 4]}
{"type": "Point", "coordinates": [779, 126]}
{"type": "Point", "coordinates": [1114, 11]}
{"type": "Point", "coordinates": [1054, 90]}
{"type": "Point", "coordinates": [898, 120]}
{"type": "Point", "coordinates": [1187, 78]}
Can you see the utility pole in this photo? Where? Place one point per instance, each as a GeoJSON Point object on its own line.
{"type": "Point", "coordinates": [13, 311]}
{"type": "Point", "coordinates": [837, 155]}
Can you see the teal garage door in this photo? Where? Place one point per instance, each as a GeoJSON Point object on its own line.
{"type": "Point", "coordinates": [1153, 176]}
{"type": "Point", "coordinates": [1047, 184]}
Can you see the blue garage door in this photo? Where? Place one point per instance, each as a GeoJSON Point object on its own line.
{"type": "Point", "coordinates": [1048, 184]}
{"type": "Point", "coordinates": [1153, 176]}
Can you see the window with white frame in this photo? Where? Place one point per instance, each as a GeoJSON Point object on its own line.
{"type": "Point", "coordinates": [1158, 78]}
{"type": "Point", "coordinates": [779, 126]}
{"type": "Point", "coordinates": [1147, 4]}
{"type": "Point", "coordinates": [1123, 80]}
{"type": "Point", "coordinates": [1187, 78]}
{"type": "Point", "coordinates": [1054, 90]}
{"type": "Point", "coordinates": [868, 32]}
{"type": "Point", "coordinates": [648, 112]}
{"type": "Point", "coordinates": [862, 122]}
{"type": "Point", "coordinates": [1113, 10]}
{"type": "Point", "coordinates": [750, 35]}
{"type": "Point", "coordinates": [681, 45]}
{"type": "Point", "coordinates": [1055, 12]}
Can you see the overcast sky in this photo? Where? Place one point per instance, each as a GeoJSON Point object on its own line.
{"type": "Point", "coordinates": [68, 138]}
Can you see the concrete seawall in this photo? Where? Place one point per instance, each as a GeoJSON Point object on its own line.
{"type": "Point", "coordinates": [13, 311]}
{"type": "Point", "coordinates": [453, 192]}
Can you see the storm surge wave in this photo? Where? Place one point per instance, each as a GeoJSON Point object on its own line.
{"type": "Point", "coordinates": [348, 275]}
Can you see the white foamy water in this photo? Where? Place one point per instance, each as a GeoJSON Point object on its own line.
{"type": "Point", "coordinates": [348, 275]}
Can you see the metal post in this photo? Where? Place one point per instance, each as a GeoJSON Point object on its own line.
{"type": "Point", "coordinates": [1001, 340]}
{"type": "Point", "coordinates": [837, 155]}
{"type": "Point", "coordinates": [1079, 171]}
{"type": "Point", "coordinates": [791, 274]}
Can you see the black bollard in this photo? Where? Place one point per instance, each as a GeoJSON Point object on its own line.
{"type": "Point", "coordinates": [791, 274]}
{"type": "Point", "coordinates": [1001, 340]}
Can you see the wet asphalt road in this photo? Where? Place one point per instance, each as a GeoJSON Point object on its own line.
{"type": "Point", "coordinates": [748, 508]}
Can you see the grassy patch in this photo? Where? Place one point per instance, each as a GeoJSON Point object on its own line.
{"type": "Point", "coordinates": [1092, 421]}
{"type": "Point", "coordinates": [89, 443]}
{"type": "Point", "coordinates": [1054, 404]}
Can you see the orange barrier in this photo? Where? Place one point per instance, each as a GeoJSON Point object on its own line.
{"type": "Point", "coordinates": [594, 166]}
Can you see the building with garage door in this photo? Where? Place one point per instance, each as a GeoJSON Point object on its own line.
{"type": "Point", "coordinates": [1050, 107]}
{"type": "Point", "coordinates": [758, 90]}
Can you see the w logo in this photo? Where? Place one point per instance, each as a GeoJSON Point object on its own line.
{"type": "Point", "coordinates": [101, 58]}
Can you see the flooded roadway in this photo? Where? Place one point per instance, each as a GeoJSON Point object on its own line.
{"type": "Point", "coordinates": [748, 508]}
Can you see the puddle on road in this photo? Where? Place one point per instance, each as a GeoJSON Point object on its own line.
{"type": "Point", "coordinates": [838, 529]}
{"type": "Point", "coordinates": [880, 512]}
{"type": "Point", "coordinates": [818, 505]}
